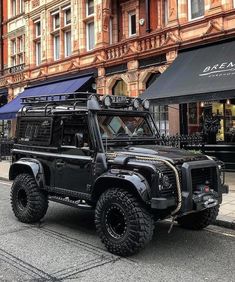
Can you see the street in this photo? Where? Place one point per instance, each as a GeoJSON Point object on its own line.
{"type": "Point", "coordinates": [65, 247]}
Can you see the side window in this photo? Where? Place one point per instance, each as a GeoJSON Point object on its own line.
{"type": "Point", "coordinates": [73, 129]}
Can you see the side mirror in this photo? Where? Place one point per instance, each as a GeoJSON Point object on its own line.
{"type": "Point", "coordinates": [79, 141]}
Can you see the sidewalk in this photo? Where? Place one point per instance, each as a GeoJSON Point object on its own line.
{"type": "Point", "coordinates": [226, 216]}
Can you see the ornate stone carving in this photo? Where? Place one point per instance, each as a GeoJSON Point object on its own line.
{"type": "Point", "coordinates": [212, 27]}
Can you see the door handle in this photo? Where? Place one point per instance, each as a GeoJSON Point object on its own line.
{"type": "Point", "coordinates": [60, 164]}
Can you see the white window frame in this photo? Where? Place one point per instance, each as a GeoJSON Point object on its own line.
{"type": "Point", "coordinates": [54, 47]}
{"type": "Point", "coordinates": [38, 58]}
{"type": "Point", "coordinates": [130, 14]}
{"type": "Point", "coordinates": [66, 54]}
{"type": "Point", "coordinates": [166, 7]}
{"type": "Point", "coordinates": [36, 24]}
{"type": "Point", "coordinates": [65, 10]}
{"type": "Point", "coordinates": [111, 31]}
{"type": "Point", "coordinates": [21, 4]}
{"type": "Point", "coordinates": [13, 47]}
{"type": "Point", "coordinates": [87, 14]}
{"type": "Point", "coordinates": [13, 8]}
{"type": "Point", "coordinates": [13, 61]}
{"type": "Point", "coordinates": [22, 57]}
{"type": "Point", "coordinates": [87, 36]}
{"type": "Point", "coordinates": [190, 12]}
{"type": "Point", "coordinates": [53, 20]}
{"type": "Point", "coordinates": [21, 44]}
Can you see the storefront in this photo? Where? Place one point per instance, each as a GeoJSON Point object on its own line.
{"type": "Point", "coordinates": [202, 82]}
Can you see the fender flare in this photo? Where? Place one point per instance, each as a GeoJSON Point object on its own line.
{"type": "Point", "coordinates": [131, 178]}
{"type": "Point", "coordinates": [28, 165]}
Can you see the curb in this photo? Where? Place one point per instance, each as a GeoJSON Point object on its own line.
{"type": "Point", "coordinates": [225, 223]}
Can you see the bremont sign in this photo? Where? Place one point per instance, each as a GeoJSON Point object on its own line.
{"type": "Point", "coordinates": [221, 69]}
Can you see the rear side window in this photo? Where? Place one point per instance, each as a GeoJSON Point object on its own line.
{"type": "Point", "coordinates": [36, 131]}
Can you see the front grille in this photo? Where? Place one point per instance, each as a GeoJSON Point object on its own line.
{"type": "Point", "coordinates": [202, 175]}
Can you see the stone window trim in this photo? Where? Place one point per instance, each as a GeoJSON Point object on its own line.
{"type": "Point", "coordinates": [190, 17]}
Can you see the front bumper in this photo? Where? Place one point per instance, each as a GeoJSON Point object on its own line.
{"type": "Point", "coordinates": [192, 200]}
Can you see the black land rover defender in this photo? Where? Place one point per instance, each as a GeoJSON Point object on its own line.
{"type": "Point", "coordinates": [101, 153]}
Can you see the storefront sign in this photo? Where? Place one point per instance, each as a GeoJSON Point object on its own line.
{"type": "Point", "coordinates": [222, 69]}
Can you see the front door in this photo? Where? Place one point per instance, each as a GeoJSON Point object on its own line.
{"type": "Point", "coordinates": [73, 166]}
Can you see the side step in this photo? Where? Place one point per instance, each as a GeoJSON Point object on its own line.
{"type": "Point", "coordinates": [66, 201]}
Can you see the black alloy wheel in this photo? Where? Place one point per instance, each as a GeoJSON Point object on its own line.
{"type": "Point", "coordinates": [28, 202]}
{"type": "Point", "coordinates": [122, 222]}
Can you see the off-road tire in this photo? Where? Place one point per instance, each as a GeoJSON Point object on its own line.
{"type": "Point", "coordinates": [28, 202]}
{"type": "Point", "coordinates": [199, 220]}
{"type": "Point", "coordinates": [138, 222]}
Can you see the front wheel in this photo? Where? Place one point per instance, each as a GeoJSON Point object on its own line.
{"type": "Point", "coordinates": [122, 222]}
{"type": "Point", "coordinates": [199, 220]}
{"type": "Point", "coordinates": [28, 202]}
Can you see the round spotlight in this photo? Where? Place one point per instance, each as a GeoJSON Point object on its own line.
{"type": "Point", "coordinates": [136, 104]}
{"type": "Point", "coordinates": [107, 101]}
{"type": "Point", "coordinates": [146, 104]}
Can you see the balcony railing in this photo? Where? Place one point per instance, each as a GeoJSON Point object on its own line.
{"type": "Point", "coordinates": [14, 69]}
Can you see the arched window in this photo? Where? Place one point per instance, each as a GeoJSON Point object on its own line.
{"type": "Point", "coordinates": [119, 88]}
{"type": "Point", "coordinates": [152, 78]}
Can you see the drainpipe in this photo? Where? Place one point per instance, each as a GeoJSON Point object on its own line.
{"type": "Point", "coordinates": [147, 10]}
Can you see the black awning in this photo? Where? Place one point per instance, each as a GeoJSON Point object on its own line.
{"type": "Point", "coordinates": [206, 73]}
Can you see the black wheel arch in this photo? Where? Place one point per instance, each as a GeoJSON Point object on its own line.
{"type": "Point", "coordinates": [29, 166]}
{"type": "Point", "coordinates": [129, 180]}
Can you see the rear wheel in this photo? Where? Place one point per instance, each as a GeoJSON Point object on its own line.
{"type": "Point", "coordinates": [122, 222]}
{"type": "Point", "coordinates": [28, 202]}
{"type": "Point", "coordinates": [199, 220]}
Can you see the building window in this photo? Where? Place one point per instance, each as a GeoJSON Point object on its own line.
{"type": "Point", "coordinates": [56, 20]}
{"type": "Point", "coordinates": [37, 28]}
{"type": "Point", "coordinates": [38, 53]}
{"type": "Point", "coordinates": [67, 44]}
{"type": "Point", "coordinates": [13, 47]}
{"type": "Point", "coordinates": [196, 9]}
{"type": "Point", "coordinates": [166, 9]}
{"type": "Point", "coordinates": [89, 7]}
{"type": "Point", "coordinates": [90, 36]}
{"type": "Point", "coordinates": [67, 16]}
{"type": "Point", "coordinates": [20, 59]}
{"type": "Point", "coordinates": [119, 88]}
{"type": "Point", "coordinates": [111, 31]}
{"type": "Point", "coordinates": [132, 23]}
{"type": "Point", "coordinates": [21, 6]}
{"type": "Point", "coordinates": [56, 47]}
{"type": "Point", "coordinates": [13, 8]}
{"type": "Point", "coordinates": [20, 44]}
{"type": "Point", "coordinates": [161, 118]}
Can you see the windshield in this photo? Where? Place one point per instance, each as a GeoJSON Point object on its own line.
{"type": "Point", "coordinates": [123, 126]}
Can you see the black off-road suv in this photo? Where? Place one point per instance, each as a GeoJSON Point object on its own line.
{"type": "Point", "coordinates": [102, 153]}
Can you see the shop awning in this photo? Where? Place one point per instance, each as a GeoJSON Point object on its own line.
{"type": "Point", "coordinates": [9, 110]}
{"type": "Point", "coordinates": [206, 73]}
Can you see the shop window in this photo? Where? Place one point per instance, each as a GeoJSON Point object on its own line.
{"type": "Point", "coordinates": [119, 88]}
{"type": "Point", "coordinates": [161, 118]}
{"type": "Point", "coordinates": [90, 29]}
{"type": "Point", "coordinates": [132, 23]}
{"type": "Point", "coordinates": [196, 9]}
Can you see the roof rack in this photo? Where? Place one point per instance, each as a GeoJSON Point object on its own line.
{"type": "Point", "coordinates": [62, 98]}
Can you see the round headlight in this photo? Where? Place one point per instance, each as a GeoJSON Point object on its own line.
{"type": "Point", "coordinates": [107, 101]}
{"type": "Point", "coordinates": [146, 104]}
{"type": "Point", "coordinates": [136, 104]}
{"type": "Point", "coordinates": [166, 183]}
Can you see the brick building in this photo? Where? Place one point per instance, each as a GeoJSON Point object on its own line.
{"type": "Point", "coordinates": [122, 46]}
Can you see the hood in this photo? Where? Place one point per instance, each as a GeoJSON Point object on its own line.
{"type": "Point", "coordinates": [171, 154]}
